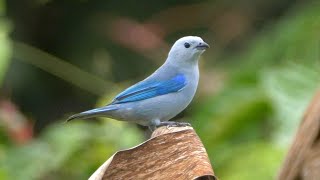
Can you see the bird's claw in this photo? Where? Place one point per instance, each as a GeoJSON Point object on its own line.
{"type": "Point", "coordinates": [169, 124]}
{"type": "Point", "coordinates": [173, 124]}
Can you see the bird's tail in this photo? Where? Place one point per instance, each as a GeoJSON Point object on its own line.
{"type": "Point", "coordinates": [92, 113]}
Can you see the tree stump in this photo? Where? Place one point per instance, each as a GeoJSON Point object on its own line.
{"type": "Point", "coordinates": [170, 153]}
{"type": "Point", "coordinates": [303, 158]}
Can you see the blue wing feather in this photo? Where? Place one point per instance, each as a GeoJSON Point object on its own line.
{"type": "Point", "coordinates": [150, 89]}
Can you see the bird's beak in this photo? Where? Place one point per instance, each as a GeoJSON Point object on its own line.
{"type": "Point", "coordinates": [202, 46]}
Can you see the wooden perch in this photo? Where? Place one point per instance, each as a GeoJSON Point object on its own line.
{"type": "Point", "coordinates": [171, 153]}
{"type": "Point", "coordinates": [302, 160]}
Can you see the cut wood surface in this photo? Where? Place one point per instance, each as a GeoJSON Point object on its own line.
{"type": "Point", "coordinates": [303, 158]}
{"type": "Point", "coordinates": [170, 153]}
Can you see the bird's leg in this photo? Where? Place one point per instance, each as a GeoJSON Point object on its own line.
{"type": "Point", "coordinates": [152, 128]}
{"type": "Point", "coordinates": [173, 124]}
{"type": "Point", "coordinates": [154, 124]}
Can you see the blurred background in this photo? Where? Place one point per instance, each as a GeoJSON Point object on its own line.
{"type": "Point", "coordinates": [61, 57]}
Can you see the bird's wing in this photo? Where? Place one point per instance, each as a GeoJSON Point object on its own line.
{"type": "Point", "coordinates": [151, 88]}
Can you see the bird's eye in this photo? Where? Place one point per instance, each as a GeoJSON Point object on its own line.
{"type": "Point", "coordinates": [186, 45]}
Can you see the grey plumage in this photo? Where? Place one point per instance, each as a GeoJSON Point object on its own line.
{"type": "Point", "coordinates": [162, 95]}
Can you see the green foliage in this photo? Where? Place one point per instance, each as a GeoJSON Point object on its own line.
{"type": "Point", "coordinates": [254, 160]}
{"type": "Point", "coordinates": [249, 123]}
{"type": "Point", "coordinates": [5, 47]}
{"type": "Point", "coordinates": [290, 89]}
{"type": "Point", "coordinates": [70, 150]}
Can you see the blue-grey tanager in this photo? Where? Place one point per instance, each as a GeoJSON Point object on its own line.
{"type": "Point", "coordinates": [162, 95]}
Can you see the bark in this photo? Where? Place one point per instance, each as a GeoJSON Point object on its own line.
{"type": "Point", "coordinates": [170, 153]}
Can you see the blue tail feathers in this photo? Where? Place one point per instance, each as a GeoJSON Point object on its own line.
{"type": "Point", "coordinates": [92, 113]}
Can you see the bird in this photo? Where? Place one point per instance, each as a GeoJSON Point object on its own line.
{"type": "Point", "coordinates": [158, 98]}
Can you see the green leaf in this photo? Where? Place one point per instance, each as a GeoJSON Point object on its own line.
{"type": "Point", "coordinates": [5, 48]}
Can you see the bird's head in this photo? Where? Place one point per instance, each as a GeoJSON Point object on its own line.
{"type": "Point", "coordinates": [187, 49]}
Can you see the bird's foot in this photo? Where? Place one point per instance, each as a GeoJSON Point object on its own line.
{"type": "Point", "coordinates": [169, 124]}
{"type": "Point", "coordinates": [174, 124]}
